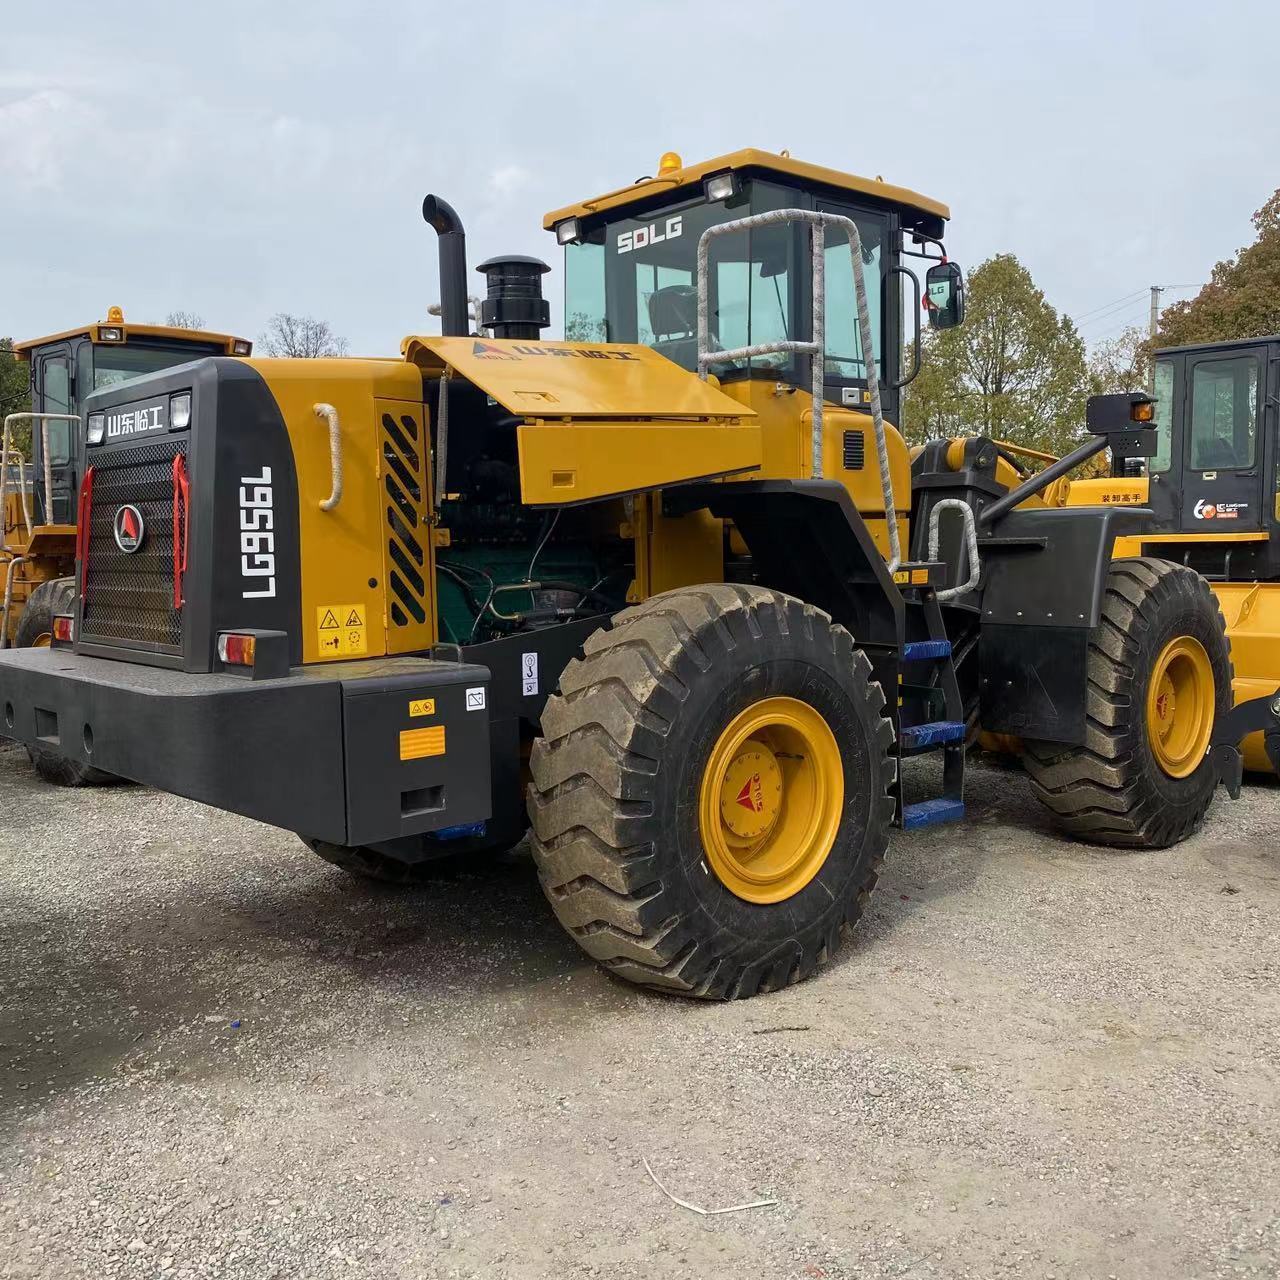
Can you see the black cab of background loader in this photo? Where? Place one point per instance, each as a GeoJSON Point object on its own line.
{"type": "Point", "coordinates": [1213, 479]}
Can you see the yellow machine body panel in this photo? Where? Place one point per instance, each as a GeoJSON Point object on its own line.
{"type": "Point", "coordinates": [601, 419]}
{"type": "Point", "coordinates": [564, 462]}
{"type": "Point", "coordinates": [1136, 545]}
{"type": "Point", "coordinates": [358, 562]}
{"type": "Point", "coordinates": [575, 379]}
{"type": "Point", "coordinates": [785, 418]}
{"type": "Point", "coordinates": [1252, 614]}
{"type": "Point", "coordinates": [1108, 491]}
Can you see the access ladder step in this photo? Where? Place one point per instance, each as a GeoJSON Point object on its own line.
{"type": "Point", "coordinates": [933, 734]}
{"type": "Point", "coordinates": [929, 813]}
{"type": "Point", "coordinates": [918, 650]}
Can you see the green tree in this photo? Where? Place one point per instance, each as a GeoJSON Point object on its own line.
{"type": "Point", "coordinates": [1120, 364]}
{"type": "Point", "coordinates": [1242, 298]}
{"type": "Point", "coordinates": [1015, 370]}
{"type": "Point", "coordinates": [15, 394]}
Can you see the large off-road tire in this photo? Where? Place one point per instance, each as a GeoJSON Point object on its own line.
{"type": "Point", "coordinates": [35, 630]}
{"type": "Point", "coordinates": [1159, 672]}
{"type": "Point", "coordinates": [711, 797]}
{"type": "Point", "coordinates": [35, 627]}
{"type": "Point", "coordinates": [370, 864]}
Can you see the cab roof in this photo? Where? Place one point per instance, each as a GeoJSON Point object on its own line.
{"type": "Point", "coordinates": [163, 332]}
{"type": "Point", "coordinates": [680, 176]}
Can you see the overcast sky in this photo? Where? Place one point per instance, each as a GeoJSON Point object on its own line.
{"type": "Point", "coordinates": [240, 160]}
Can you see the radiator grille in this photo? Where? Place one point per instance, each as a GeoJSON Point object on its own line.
{"type": "Point", "coordinates": [406, 520]}
{"type": "Point", "coordinates": [854, 450]}
{"type": "Point", "coordinates": [130, 597]}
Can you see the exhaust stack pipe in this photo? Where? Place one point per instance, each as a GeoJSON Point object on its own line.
{"type": "Point", "coordinates": [439, 214]}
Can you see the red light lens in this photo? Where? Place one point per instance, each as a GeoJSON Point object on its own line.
{"type": "Point", "coordinates": [236, 651]}
{"type": "Point", "coordinates": [64, 628]}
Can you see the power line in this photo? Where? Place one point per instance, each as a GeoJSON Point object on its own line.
{"type": "Point", "coordinates": [1084, 315]}
{"type": "Point", "coordinates": [1113, 313]}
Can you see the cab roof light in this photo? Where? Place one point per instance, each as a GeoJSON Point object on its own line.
{"type": "Point", "coordinates": [720, 186]}
{"type": "Point", "coordinates": [241, 348]}
{"type": "Point", "coordinates": [569, 231]}
{"type": "Point", "coordinates": [236, 650]}
{"type": "Point", "coordinates": [110, 333]}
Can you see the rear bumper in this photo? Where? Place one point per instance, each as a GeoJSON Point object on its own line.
{"type": "Point", "coordinates": [355, 753]}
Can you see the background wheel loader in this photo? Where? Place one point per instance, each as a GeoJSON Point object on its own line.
{"type": "Point", "coordinates": [38, 493]}
{"type": "Point", "coordinates": [667, 591]}
{"type": "Point", "coordinates": [1213, 489]}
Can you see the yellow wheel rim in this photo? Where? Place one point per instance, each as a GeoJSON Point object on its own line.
{"type": "Point", "coordinates": [42, 641]}
{"type": "Point", "coordinates": [1180, 705]}
{"type": "Point", "coordinates": [771, 800]}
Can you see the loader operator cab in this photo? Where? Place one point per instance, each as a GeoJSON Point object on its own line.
{"type": "Point", "coordinates": [631, 270]}
{"type": "Point", "coordinates": [65, 367]}
{"type": "Point", "coordinates": [1215, 470]}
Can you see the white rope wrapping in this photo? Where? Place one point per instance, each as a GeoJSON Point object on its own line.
{"type": "Point", "coordinates": [327, 413]}
{"type": "Point", "coordinates": [971, 542]}
{"type": "Point", "coordinates": [8, 598]}
{"type": "Point", "coordinates": [442, 435]}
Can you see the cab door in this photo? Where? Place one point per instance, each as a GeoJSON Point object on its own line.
{"type": "Point", "coordinates": [55, 393]}
{"type": "Point", "coordinates": [1223, 441]}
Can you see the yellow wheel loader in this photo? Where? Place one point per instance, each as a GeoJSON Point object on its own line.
{"type": "Point", "coordinates": [1212, 488]}
{"type": "Point", "coordinates": [665, 592]}
{"type": "Point", "coordinates": [38, 493]}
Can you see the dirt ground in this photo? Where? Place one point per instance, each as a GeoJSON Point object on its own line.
{"type": "Point", "coordinates": [222, 1057]}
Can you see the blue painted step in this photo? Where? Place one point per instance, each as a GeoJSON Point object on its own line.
{"type": "Point", "coordinates": [916, 650]}
{"type": "Point", "coordinates": [932, 734]}
{"type": "Point", "coordinates": [929, 813]}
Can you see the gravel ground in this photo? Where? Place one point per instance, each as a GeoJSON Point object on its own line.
{"type": "Point", "coordinates": [222, 1057]}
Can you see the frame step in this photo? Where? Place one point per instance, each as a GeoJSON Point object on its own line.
{"type": "Point", "coordinates": [930, 813]}
{"type": "Point", "coordinates": [933, 734]}
{"type": "Point", "coordinates": [918, 650]}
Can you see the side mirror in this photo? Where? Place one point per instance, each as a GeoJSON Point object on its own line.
{"type": "Point", "coordinates": [944, 295]}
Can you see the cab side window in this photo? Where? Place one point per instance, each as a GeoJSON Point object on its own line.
{"type": "Point", "coordinates": [1224, 413]}
{"type": "Point", "coordinates": [1164, 417]}
{"type": "Point", "coordinates": [55, 374]}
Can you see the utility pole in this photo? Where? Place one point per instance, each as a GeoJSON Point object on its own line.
{"type": "Point", "coordinates": [1152, 325]}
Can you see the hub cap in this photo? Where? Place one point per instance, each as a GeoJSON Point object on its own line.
{"type": "Point", "coordinates": [771, 800]}
{"type": "Point", "coordinates": [1180, 705]}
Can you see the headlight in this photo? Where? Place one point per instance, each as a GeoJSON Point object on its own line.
{"type": "Point", "coordinates": [721, 186]}
{"type": "Point", "coordinates": [180, 411]}
{"type": "Point", "coordinates": [568, 232]}
{"type": "Point", "coordinates": [97, 428]}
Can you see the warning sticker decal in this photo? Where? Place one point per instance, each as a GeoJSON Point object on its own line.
{"type": "Point", "coordinates": [341, 630]}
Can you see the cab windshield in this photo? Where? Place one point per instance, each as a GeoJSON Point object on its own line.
{"type": "Point", "coordinates": [634, 280]}
{"type": "Point", "coordinates": [115, 364]}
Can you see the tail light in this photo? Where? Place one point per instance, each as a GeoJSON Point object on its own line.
{"type": "Point", "coordinates": [64, 628]}
{"type": "Point", "coordinates": [237, 650]}
{"type": "Point", "coordinates": [181, 525]}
